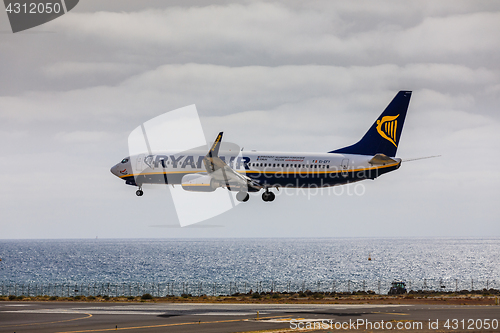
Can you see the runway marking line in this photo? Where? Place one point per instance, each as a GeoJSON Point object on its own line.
{"type": "Point", "coordinates": [51, 322]}
{"type": "Point", "coordinates": [166, 325]}
{"type": "Point", "coordinates": [393, 313]}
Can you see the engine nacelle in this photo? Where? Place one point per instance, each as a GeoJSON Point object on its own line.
{"type": "Point", "coordinates": [198, 183]}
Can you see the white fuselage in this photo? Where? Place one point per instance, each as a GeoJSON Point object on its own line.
{"type": "Point", "coordinates": [269, 168]}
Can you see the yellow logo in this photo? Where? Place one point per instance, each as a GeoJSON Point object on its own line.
{"type": "Point", "coordinates": [216, 142]}
{"type": "Point", "coordinates": [387, 128]}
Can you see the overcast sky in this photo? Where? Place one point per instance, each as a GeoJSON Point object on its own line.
{"type": "Point", "coordinates": [306, 76]}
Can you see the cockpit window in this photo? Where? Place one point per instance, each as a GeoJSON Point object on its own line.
{"type": "Point", "coordinates": [125, 160]}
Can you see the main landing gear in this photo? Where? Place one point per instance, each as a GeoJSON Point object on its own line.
{"type": "Point", "coordinates": [242, 196]}
{"type": "Point", "coordinates": [268, 196]}
{"type": "Point", "coordinates": [139, 192]}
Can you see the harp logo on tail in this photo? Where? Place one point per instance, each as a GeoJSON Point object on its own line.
{"type": "Point", "coordinates": [387, 128]}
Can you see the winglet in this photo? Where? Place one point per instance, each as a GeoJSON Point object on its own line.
{"type": "Point", "coordinates": [214, 151]}
{"type": "Point", "coordinates": [212, 161]}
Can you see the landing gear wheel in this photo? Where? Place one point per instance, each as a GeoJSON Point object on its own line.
{"type": "Point", "coordinates": [139, 193]}
{"type": "Point", "coordinates": [242, 196]}
{"type": "Point", "coordinates": [268, 196]}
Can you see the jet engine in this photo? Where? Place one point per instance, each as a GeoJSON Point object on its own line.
{"type": "Point", "coordinates": [198, 183]}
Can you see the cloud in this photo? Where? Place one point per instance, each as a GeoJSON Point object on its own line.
{"type": "Point", "coordinates": [222, 90]}
{"type": "Point", "coordinates": [83, 137]}
{"type": "Point", "coordinates": [267, 31]}
{"type": "Point", "coordinates": [74, 68]}
{"type": "Point", "coordinates": [282, 75]}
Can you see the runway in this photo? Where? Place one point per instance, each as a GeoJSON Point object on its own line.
{"type": "Point", "coordinates": [190, 317]}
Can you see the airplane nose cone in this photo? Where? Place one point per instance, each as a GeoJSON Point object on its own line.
{"type": "Point", "coordinates": [114, 170]}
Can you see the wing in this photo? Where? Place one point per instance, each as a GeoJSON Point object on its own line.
{"type": "Point", "coordinates": [223, 173]}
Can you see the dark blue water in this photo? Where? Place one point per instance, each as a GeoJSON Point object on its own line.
{"type": "Point", "coordinates": [224, 260]}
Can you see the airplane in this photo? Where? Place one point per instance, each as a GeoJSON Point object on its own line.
{"type": "Point", "coordinates": [251, 171]}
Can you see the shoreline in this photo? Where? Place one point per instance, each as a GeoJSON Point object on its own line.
{"type": "Point", "coordinates": [275, 298]}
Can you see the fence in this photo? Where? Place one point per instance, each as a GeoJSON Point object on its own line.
{"type": "Point", "coordinates": [177, 288]}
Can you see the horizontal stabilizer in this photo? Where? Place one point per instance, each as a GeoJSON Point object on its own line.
{"type": "Point", "coordinates": [381, 159]}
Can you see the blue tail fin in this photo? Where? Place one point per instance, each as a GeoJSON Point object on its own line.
{"type": "Point", "coordinates": [383, 136]}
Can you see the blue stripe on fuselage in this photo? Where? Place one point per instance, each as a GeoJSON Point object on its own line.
{"type": "Point", "coordinates": [276, 178]}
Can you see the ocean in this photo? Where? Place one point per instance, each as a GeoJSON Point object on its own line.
{"type": "Point", "coordinates": [327, 264]}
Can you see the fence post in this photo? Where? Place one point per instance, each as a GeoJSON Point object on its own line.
{"type": "Point", "coordinates": [471, 284]}
{"type": "Point", "coordinates": [379, 287]}
{"type": "Point", "coordinates": [348, 286]}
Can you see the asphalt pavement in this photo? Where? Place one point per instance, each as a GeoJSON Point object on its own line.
{"type": "Point", "coordinates": [191, 317]}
